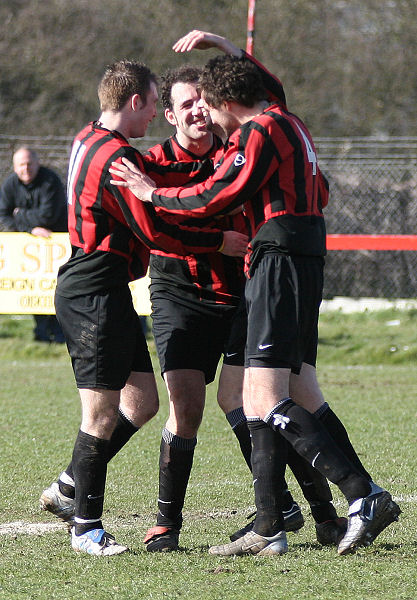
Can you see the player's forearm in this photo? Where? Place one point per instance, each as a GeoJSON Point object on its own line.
{"type": "Point", "coordinates": [201, 40]}
{"type": "Point", "coordinates": [228, 47]}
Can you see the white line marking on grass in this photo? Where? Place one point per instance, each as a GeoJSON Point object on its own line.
{"type": "Point", "coordinates": [18, 527]}
{"type": "Point", "coordinates": [22, 527]}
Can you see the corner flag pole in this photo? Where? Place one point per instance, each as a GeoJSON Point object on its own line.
{"type": "Point", "coordinates": [251, 27]}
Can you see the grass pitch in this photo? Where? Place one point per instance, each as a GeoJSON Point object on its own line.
{"type": "Point", "coordinates": [367, 368]}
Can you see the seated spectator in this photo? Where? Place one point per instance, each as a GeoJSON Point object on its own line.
{"type": "Point", "coordinates": [32, 199]}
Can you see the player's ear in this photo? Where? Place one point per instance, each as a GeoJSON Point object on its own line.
{"type": "Point", "coordinates": [170, 117]}
{"type": "Point", "coordinates": [136, 102]}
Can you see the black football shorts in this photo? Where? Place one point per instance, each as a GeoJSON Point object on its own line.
{"type": "Point", "coordinates": [189, 336]}
{"type": "Point", "coordinates": [283, 298]}
{"type": "Point", "coordinates": [234, 349]}
{"type": "Point", "coordinates": [104, 337]}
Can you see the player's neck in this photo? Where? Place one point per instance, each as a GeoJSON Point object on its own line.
{"type": "Point", "coordinates": [245, 114]}
{"type": "Point", "coordinates": [198, 147]}
{"type": "Point", "coordinates": [114, 121]}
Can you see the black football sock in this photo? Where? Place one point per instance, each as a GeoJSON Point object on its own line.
{"type": "Point", "coordinates": [314, 486]}
{"type": "Point", "coordinates": [237, 422]}
{"type": "Point", "coordinates": [312, 441]}
{"type": "Point", "coordinates": [268, 469]}
{"type": "Point", "coordinates": [287, 498]}
{"type": "Point", "coordinates": [89, 462]}
{"type": "Point", "coordinates": [121, 435]}
{"type": "Point", "coordinates": [338, 432]}
{"type": "Point", "coordinates": [175, 462]}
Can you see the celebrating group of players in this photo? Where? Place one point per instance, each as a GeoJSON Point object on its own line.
{"type": "Point", "coordinates": [238, 180]}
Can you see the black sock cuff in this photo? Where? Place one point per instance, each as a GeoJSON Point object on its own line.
{"type": "Point", "coordinates": [175, 441]}
{"type": "Point", "coordinates": [127, 423]}
{"type": "Point", "coordinates": [235, 417]}
{"type": "Point", "coordinates": [320, 411]}
{"type": "Point", "coordinates": [255, 423]}
{"type": "Point", "coordinates": [85, 439]}
{"type": "Point", "coordinates": [253, 419]}
{"type": "Point", "coordinates": [276, 409]}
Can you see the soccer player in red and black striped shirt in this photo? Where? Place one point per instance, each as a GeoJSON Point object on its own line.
{"type": "Point", "coordinates": [111, 234]}
{"type": "Point", "coordinates": [194, 302]}
{"type": "Point", "coordinates": [194, 298]}
{"type": "Point", "coordinates": [270, 166]}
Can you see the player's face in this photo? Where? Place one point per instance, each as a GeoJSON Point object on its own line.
{"type": "Point", "coordinates": [186, 113]}
{"type": "Point", "coordinates": [146, 112]}
{"type": "Point", "coordinates": [25, 166]}
{"type": "Point", "coordinates": [222, 119]}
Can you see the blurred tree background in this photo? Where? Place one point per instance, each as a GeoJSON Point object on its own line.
{"type": "Point", "coordinates": [349, 67]}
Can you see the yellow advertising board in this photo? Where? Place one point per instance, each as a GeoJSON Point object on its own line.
{"type": "Point", "coordinates": [28, 270]}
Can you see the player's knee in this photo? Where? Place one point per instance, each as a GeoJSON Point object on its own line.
{"type": "Point", "coordinates": [100, 423]}
{"type": "Point", "coordinates": [184, 423]}
{"type": "Point", "coordinates": [150, 410]}
{"type": "Point", "coordinates": [229, 402]}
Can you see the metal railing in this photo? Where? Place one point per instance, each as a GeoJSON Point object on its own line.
{"type": "Point", "coordinates": [373, 190]}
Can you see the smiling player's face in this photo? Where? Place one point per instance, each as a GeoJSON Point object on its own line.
{"type": "Point", "coordinates": [186, 113]}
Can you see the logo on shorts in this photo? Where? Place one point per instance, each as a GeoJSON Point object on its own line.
{"type": "Point", "coordinates": [265, 346]}
{"type": "Point", "coordinates": [239, 160]}
{"type": "Point", "coordinates": [229, 354]}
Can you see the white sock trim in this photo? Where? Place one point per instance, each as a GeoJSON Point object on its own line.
{"type": "Point", "coordinates": [65, 478]}
{"type": "Point", "coordinates": [78, 520]}
{"type": "Point", "coordinates": [355, 506]}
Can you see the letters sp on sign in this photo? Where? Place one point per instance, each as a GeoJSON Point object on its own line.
{"type": "Point", "coordinates": [28, 271]}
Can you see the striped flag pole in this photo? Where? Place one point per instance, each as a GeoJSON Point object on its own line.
{"type": "Point", "coordinates": [251, 27]}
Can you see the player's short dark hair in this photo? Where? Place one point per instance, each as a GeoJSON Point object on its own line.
{"type": "Point", "coordinates": [231, 78]}
{"type": "Point", "coordinates": [183, 74]}
{"type": "Point", "coordinates": [121, 80]}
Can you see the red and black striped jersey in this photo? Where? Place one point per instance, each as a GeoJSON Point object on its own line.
{"type": "Point", "coordinates": [110, 230]}
{"type": "Point", "coordinates": [208, 278]}
{"type": "Point", "coordinates": [270, 166]}
{"type": "Point", "coordinates": [272, 84]}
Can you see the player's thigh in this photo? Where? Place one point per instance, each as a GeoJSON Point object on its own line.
{"type": "Point", "coordinates": [230, 390]}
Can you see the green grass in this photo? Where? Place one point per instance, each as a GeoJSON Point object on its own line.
{"type": "Point", "coordinates": [371, 387]}
{"type": "Point", "coordinates": [386, 337]}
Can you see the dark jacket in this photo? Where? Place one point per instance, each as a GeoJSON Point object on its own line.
{"type": "Point", "coordinates": [41, 203]}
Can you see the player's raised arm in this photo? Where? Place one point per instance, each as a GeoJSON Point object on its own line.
{"type": "Point", "coordinates": [202, 40]}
